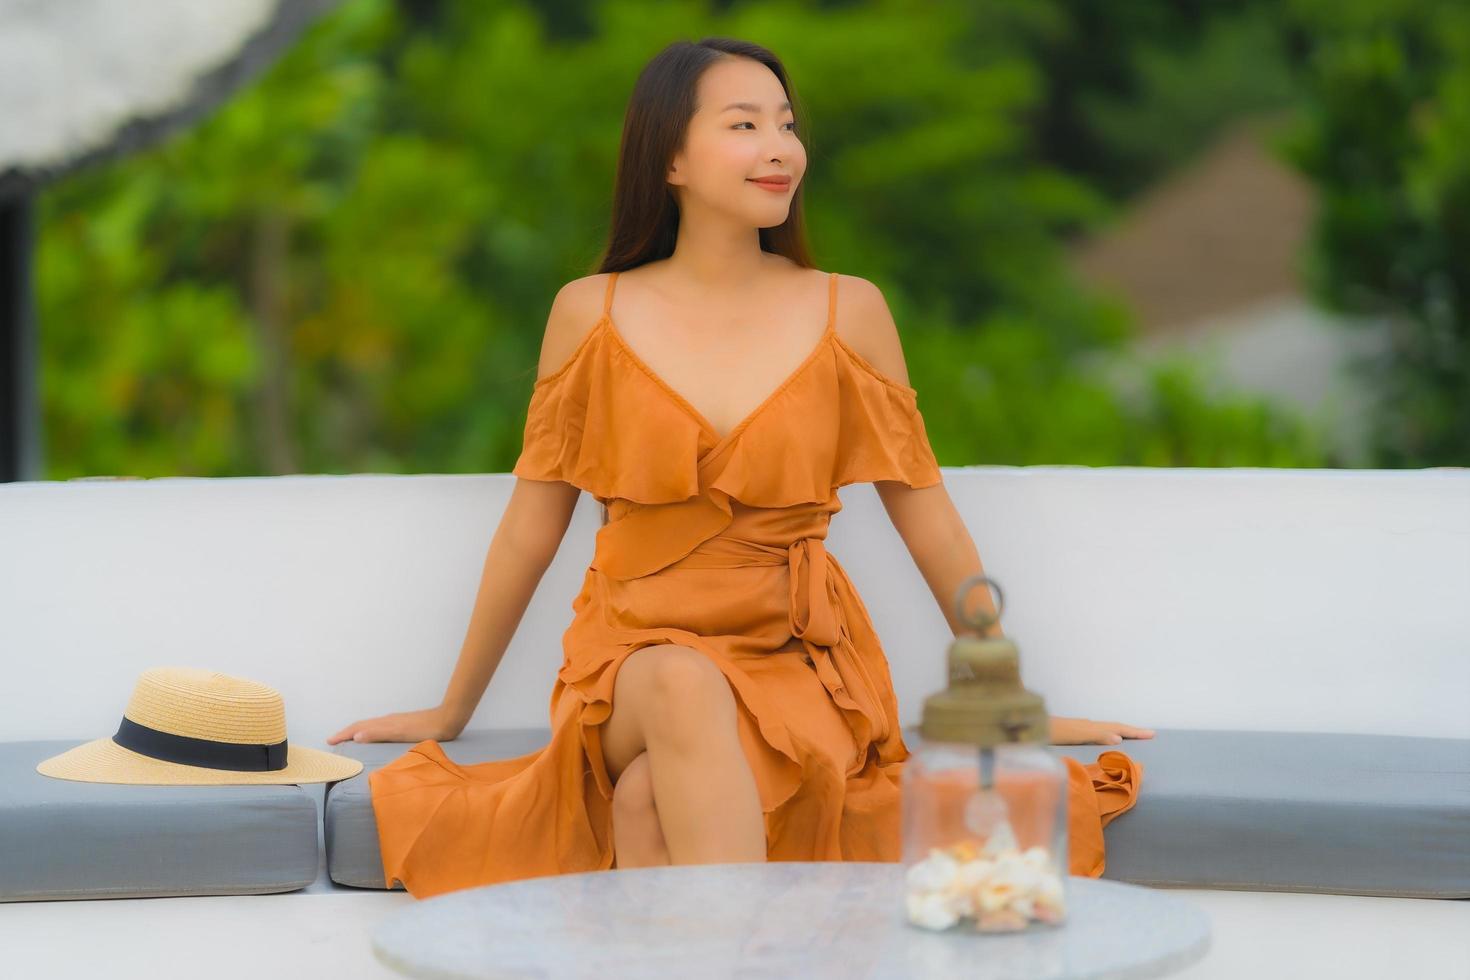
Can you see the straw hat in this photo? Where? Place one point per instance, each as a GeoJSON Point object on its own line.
{"type": "Point", "coordinates": [194, 727]}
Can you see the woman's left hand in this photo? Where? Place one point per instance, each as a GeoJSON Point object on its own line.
{"type": "Point", "coordinates": [1083, 731]}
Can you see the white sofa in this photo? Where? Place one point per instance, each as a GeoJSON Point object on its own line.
{"type": "Point", "coordinates": [1260, 601]}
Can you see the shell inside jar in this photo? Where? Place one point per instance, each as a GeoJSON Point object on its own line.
{"type": "Point", "coordinates": [997, 886]}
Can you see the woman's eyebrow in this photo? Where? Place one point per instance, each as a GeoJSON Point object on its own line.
{"type": "Point", "coordinates": [752, 107]}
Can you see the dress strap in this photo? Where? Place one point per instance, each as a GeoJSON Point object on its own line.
{"type": "Point", "coordinates": [612, 279]}
{"type": "Point", "coordinates": [831, 300]}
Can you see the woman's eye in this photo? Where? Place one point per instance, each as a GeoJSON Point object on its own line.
{"type": "Point", "coordinates": [748, 123]}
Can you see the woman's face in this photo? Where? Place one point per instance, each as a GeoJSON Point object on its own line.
{"type": "Point", "coordinates": [742, 129]}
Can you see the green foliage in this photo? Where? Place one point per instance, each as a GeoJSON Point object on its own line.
{"type": "Point", "coordinates": [1008, 396]}
{"type": "Point", "coordinates": [347, 267]}
{"type": "Point", "coordinates": [1185, 92]}
{"type": "Point", "coordinates": [1384, 137]}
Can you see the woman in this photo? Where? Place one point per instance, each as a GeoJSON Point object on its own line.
{"type": "Point", "coordinates": [723, 696]}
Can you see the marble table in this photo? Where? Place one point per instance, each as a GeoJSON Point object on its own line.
{"type": "Point", "coordinates": [818, 919]}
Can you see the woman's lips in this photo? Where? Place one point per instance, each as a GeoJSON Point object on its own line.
{"type": "Point", "coordinates": [772, 185]}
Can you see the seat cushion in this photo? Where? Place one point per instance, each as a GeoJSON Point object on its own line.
{"type": "Point", "coordinates": [1256, 811]}
{"type": "Point", "coordinates": [64, 839]}
{"type": "Point", "coordinates": [349, 829]}
{"type": "Point", "coordinates": [1295, 811]}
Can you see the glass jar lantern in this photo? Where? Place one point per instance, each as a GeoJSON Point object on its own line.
{"type": "Point", "coordinates": [984, 799]}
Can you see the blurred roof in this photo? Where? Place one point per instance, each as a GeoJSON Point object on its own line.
{"type": "Point", "coordinates": [1224, 233]}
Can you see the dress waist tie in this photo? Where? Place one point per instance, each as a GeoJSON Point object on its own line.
{"type": "Point", "coordinates": [814, 615]}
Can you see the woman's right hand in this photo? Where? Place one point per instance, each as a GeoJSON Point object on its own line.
{"type": "Point", "coordinates": [1085, 731]}
{"type": "Point", "coordinates": [402, 726]}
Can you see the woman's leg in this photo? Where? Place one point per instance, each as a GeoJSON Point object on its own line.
{"type": "Point", "coordinates": [673, 703]}
{"type": "Point", "coordinates": [638, 839]}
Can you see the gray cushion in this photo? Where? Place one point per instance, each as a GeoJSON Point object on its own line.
{"type": "Point", "coordinates": [349, 829]}
{"type": "Point", "coordinates": [1259, 811]}
{"type": "Point", "coordinates": [1294, 811]}
{"type": "Point", "coordinates": [63, 839]}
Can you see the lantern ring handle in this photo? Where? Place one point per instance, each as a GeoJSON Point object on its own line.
{"type": "Point", "coordinates": [983, 620]}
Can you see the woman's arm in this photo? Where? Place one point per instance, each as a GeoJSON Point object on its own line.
{"type": "Point", "coordinates": [941, 546]}
{"type": "Point", "coordinates": [525, 541]}
{"type": "Point", "coordinates": [945, 554]}
{"type": "Point", "coordinates": [520, 550]}
{"type": "Point", "coordinates": [931, 526]}
{"type": "Point", "coordinates": [530, 531]}
{"type": "Point", "coordinates": [925, 518]}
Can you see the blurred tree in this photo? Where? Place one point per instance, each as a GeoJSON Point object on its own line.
{"type": "Point", "coordinates": [1134, 89]}
{"type": "Point", "coordinates": [347, 268]}
{"type": "Point", "coordinates": [1384, 134]}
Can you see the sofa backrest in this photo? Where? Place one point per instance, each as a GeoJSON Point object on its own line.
{"type": "Point", "coordinates": [1257, 599]}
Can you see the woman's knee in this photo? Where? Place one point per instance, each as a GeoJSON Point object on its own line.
{"type": "Point", "coordinates": [687, 690]}
{"type": "Point", "coordinates": [676, 689]}
{"type": "Point", "coordinates": [659, 689]}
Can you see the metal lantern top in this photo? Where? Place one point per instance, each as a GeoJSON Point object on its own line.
{"type": "Point", "coordinates": [984, 704]}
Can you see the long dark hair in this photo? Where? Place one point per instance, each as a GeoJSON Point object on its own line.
{"type": "Point", "coordinates": [645, 213]}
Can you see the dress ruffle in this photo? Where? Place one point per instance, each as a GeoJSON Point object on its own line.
{"type": "Point", "coordinates": [587, 425]}
{"type": "Point", "coordinates": [1097, 794]}
{"type": "Point", "coordinates": [882, 435]}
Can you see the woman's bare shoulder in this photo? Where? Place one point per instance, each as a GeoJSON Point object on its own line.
{"type": "Point", "coordinates": [866, 324]}
{"type": "Point", "coordinates": [575, 311]}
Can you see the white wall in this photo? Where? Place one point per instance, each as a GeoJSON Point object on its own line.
{"type": "Point", "coordinates": [1262, 599]}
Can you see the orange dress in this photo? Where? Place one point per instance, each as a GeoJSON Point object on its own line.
{"type": "Point", "coordinates": [713, 542]}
